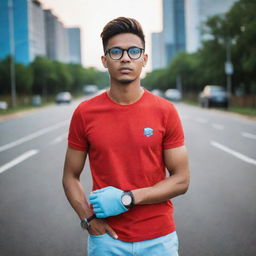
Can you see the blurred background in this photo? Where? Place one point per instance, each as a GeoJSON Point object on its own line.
{"type": "Point", "coordinates": [49, 46]}
{"type": "Point", "coordinates": [202, 57]}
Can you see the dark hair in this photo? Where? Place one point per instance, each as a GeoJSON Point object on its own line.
{"type": "Point", "coordinates": [121, 25]}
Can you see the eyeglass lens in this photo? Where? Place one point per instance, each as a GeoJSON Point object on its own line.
{"type": "Point", "coordinates": [117, 53]}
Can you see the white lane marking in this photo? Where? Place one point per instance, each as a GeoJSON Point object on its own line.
{"type": "Point", "coordinates": [234, 153]}
{"type": "Point", "coordinates": [32, 136]}
{"type": "Point", "coordinates": [218, 126]}
{"type": "Point", "coordinates": [201, 120]}
{"type": "Point", "coordinates": [18, 160]}
{"type": "Point", "coordinates": [248, 135]}
{"type": "Point", "coordinates": [59, 138]}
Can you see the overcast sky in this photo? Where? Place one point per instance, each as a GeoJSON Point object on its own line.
{"type": "Point", "coordinates": [92, 15]}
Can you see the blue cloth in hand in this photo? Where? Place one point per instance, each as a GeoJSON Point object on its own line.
{"type": "Point", "coordinates": [106, 202]}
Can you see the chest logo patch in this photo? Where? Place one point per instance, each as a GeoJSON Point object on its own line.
{"type": "Point", "coordinates": [148, 132]}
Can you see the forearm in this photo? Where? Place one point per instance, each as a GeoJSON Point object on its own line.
{"type": "Point", "coordinates": [76, 197]}
{"type": "Point", "coordinates": [162, 191]}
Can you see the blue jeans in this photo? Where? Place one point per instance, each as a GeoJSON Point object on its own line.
{"type": "Point", "coordinates": [105, 245]}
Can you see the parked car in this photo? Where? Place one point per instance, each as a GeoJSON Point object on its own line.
{"type": "Point", "coordinates": [3, 105]}
{"type": "Point", "coordinates": [158, 92]}
{"type": "Point", "coordinates": [172, 95]}
{"type": "Point", "coordinates": [90, 89]}
{"type": "Point", "coordinates": [213, 96]}
{"type": "Point", "coordinates": [63, 97]}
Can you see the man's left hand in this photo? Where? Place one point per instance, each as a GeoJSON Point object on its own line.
{"type": "Point", "coordinates": [106, 202]}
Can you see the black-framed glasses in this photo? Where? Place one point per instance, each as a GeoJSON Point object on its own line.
{"type": "Point", "coordinates": [116, 53]}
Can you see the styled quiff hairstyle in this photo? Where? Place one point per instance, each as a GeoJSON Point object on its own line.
{"type": "Point", "coordinates": [121, 25]}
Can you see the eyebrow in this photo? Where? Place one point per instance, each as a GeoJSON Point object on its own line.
{"type": "Point", "coordinates": [125, 48]}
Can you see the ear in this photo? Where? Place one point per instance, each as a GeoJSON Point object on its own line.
{"type": "Point", "coordinates": [145, 59]}
{"type": "Point", "coordinates": [104, 61]}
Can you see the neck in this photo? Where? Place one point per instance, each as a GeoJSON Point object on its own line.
{"type": "Point", "coordinates": [125, 94]}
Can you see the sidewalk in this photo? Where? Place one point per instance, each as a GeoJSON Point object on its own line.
{"type": "Point", "coordinates": [16, 114]}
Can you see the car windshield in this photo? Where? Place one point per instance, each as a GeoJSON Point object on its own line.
{"type": "Point", "coordinates": [217, 89]}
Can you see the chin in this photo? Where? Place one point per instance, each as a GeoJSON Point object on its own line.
{"type": "Point", "coordinates": [125, 81]}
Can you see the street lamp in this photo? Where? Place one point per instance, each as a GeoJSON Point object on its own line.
{"type": "Point", "coordinates": [228, 67]}
{"type": "Point", "coordinates": [12, 52]}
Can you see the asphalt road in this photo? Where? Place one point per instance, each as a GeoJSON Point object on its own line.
{"type": "Point", "coordinates": [216, 217]}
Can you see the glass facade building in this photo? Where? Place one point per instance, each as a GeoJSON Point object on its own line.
{"type": "Point", "coordinates": [20, 13]}
{"type": "Point", "coordinates": [173, 28]}
{"type": "Point", "coordinates": [74, 42]}
{"type": "Point", "coordinates": [197, 12]}
{"type": "Point", "coordinates": [37, 32]}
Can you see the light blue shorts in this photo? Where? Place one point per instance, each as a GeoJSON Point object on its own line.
{"type": "Point", "coordinates": [105, 245]}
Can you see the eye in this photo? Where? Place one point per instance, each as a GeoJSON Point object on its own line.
{"type": "Point", "coordinates": [115, 51]}
{"type": "Point", "coordinates": [134, 50]}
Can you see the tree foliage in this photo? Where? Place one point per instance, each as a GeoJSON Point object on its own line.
{"type": "Point", "coordinates": [23, 77]}
{"type": "Point", "coordinates": [237, 30]}
{"type": "Point", "coordinates": [46, 77]}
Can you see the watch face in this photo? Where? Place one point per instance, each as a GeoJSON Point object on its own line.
{"type": "Point", "coordinates": [126, 200]}
{"type": "Point", "coordinates": [84, 224]}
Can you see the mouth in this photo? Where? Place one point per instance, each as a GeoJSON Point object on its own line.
{"type": "Point", "coordinates": [125, 70]}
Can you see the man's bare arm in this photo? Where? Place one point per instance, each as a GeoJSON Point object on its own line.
{"type": "Point", "coordinates": [74, 164]}
{"type": "Point", "coordinates": [176, 161]}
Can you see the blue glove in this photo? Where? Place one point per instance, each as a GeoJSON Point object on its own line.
{"type": "Point", "coordinates": [106, 202]}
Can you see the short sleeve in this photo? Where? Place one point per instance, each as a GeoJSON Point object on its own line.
{"type": "Point", "coordinates": [77, 137]}
{"type": "Point", "coordinates": [174, 135]}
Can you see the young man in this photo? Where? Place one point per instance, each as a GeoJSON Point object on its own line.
{"type": "Point", "coordinates": [131, 137]}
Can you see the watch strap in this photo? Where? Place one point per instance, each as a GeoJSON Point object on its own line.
{"type": "Point", "coordinates": [91, 218]}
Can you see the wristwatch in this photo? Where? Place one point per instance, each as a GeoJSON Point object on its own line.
{"type": "Point", "coordinates": [127, 199]}
{"type": "Point", "coordinates": [85, 223]}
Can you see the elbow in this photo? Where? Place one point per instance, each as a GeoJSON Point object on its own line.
{"type": "Point", "coordinates": [185, 187]}
{"type": "Point", "coordinates": [65, 181]}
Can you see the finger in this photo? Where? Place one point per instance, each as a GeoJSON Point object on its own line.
{"type": "Point", "coordinates": [101, 215]}
{"type": "Point", "coordinates": [97, 210]}
{"type": "Point", "coordinates": [92, 196]}
{"type": "Point", "coordinates": [95, 205]}
{"type": "Point", "coordinates": [111, 232]}
{"type": "Point", "coordinates": [94, 200]}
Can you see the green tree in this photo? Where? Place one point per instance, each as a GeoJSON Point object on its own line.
{"type": "Point", "coordinates": [44, 75]}
{"type": "Point", "coordinates": [23, 77]}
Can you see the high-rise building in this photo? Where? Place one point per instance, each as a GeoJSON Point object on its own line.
{"type": "Point", "coordinates": [28, 27]}
{"type": "Point", "coordinates": [172, 39]}
{"type": "Point", "coordinates": [74, 42]}
{"type": "Point", "coordinates": [197, 12]}
{"type": "Point", "coordinates": [36, 32]}
{"type": "Point", "coordinates": [158, 55]}
{"type": "Point", "coordinates": [173, 28]}
{"type": "Point", "coordinates": [56, 38]}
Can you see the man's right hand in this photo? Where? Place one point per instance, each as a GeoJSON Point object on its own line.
{"type": "Point", "coordinates": [99, 227]}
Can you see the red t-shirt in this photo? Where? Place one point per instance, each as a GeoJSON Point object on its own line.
{"type": "Point", "coordinates": [125, 144]}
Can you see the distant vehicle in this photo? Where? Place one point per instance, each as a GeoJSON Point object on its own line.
{"type": "Point", "coordinates": [3, 105]}
{"type": "Point", "coordinates": [173, 94]}
{"type": "Point", "coordinates": [63, 97]}
{"type": "Point", "coordinates": [213, 96]}
{"type": "Point", "coordinates": [158, 92]}
{"type": "Point", "coordinates": [90, 89]}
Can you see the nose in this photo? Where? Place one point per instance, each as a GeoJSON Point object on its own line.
{"type": "Point", "coordinates": [125, 57]}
